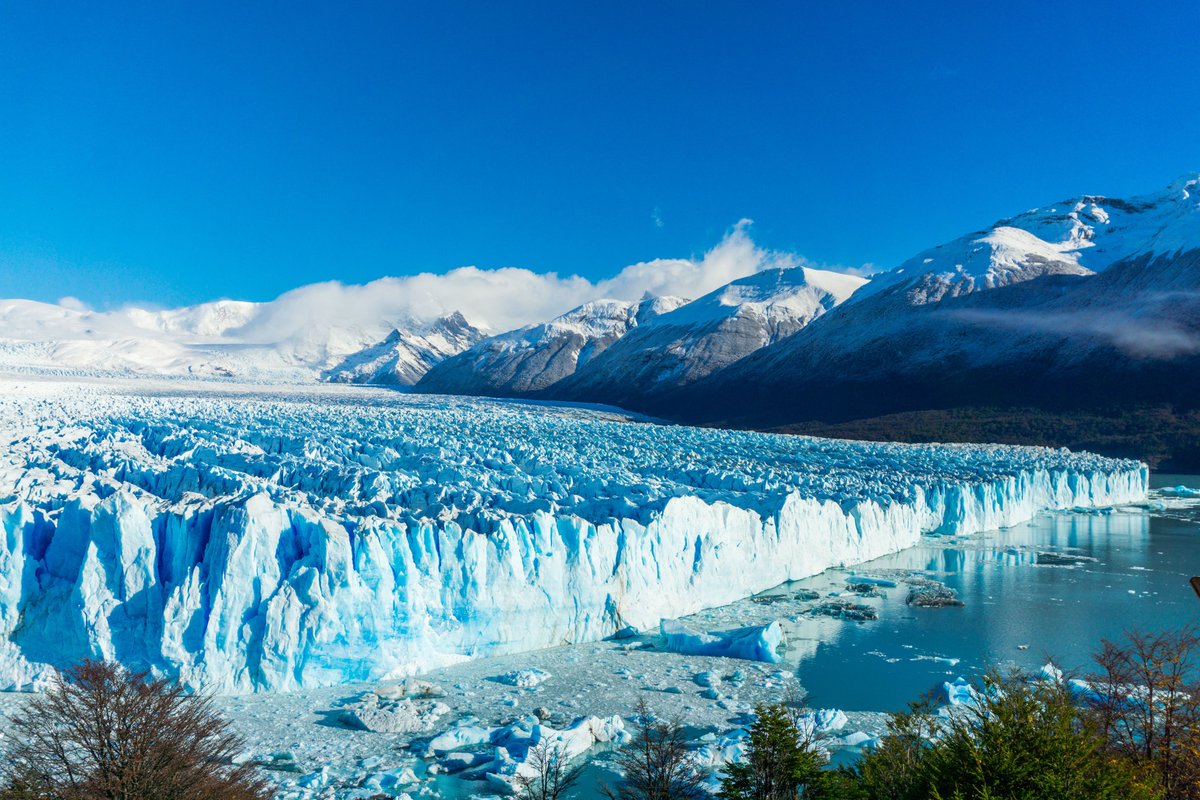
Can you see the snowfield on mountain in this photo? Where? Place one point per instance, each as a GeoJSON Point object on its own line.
{"type": "Point", "coordinates": [534, 358]}
{"type": "Point", "coordinates": [249, 538]}
{"type": "Point", "coordinates": [406, 355]}
{"type": "Point", "coordinates": [708, 334]}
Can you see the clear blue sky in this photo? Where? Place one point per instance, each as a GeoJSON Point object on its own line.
{"type": "Point", "coordinates": [175, 152]}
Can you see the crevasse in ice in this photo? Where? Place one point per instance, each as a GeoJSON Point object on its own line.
{"type": "Point", "coordinates": [260, 541]}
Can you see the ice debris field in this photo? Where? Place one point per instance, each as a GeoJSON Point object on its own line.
{"type": "Point", "coordinates": [260, 540]}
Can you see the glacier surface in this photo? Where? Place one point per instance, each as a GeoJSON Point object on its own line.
{"type": "Point", "coordinates": [250, 539]}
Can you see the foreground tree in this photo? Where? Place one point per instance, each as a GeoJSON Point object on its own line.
{"type": "Point", "coordinates": [104, 733]}
{"type": "Point", "coordinates": [1025, 740]}
{"type": "Point", "coordinates": [658, 764]}
{"type": "Point", "coordinates": [550, 773]}
{"type": "Point", "coordinates": [895, 769]}
{"type": "Point", "coordinates": [1146, 703]}
{"type": "Point", "coordinates": [780, 760]}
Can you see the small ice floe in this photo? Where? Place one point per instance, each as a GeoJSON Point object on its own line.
{"type": "Point", "coordinates": [459, 761]}
{"type": "Point", "coordinates": [464, 734]}
{"type": "Point", "coordinates": [844, 609]}
{"type": "Point", "coordinates": [628, 632]}
{"type": "Point", "coordinates": [821, 721]}
{"type": "Point", "coordinates": [870, 580]}
{"type": "Point", "coordinates": [381, 714]}
{"type": "Point", "coordinates": [506, 763]}
{"type": "Point", "coordinates": [522, 678]}
{"type": "Point", "coordinates": [757, 643]}
{"type": "Point", "coordinates": [1179, 491]}
{"type": "Point", "coordinates": [953, 662]}
{"type": "Point", "coordinates": [707, 679]}
{"type": "Point", "coordinates": [716, 751]}
{"type": "Point", "coordinates": [1050, 672]}
{"type": "Point", "coordinates": [854, 739]}
{"type": "Point", "coordinates": [389, 782]}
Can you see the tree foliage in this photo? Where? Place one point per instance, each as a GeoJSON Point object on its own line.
{"type": "Point", "coordinates": [658, 764]}
{"type": "Point", "coordinates": [895, 769]}
{"type": "Point", "coordinates": [102, 732]}
{"type": "Point", "coordinates": [548, 773]}
{"type": "Point", "coordinates": [780, 760]}
{"type": "Point", "coordinates": [1145, 700]}
{"type": "Point", "coordinates": [1025, 740]}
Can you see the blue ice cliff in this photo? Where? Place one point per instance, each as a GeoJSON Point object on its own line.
{"type": "Point", "coordinates": [250, 541]}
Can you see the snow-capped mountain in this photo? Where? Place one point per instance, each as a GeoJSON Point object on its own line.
{"type": "Point", "coordinates": [709, 333]}
{"type": "Point", "coordinates": [194, 340]}
{"type": "Point", "coordinates": [1088, 302]}
{"type": "Point", "coordinates": [406, 355]}
{"type": "Point", "coordinates": [1078, 236]}
{"type": "Point", "coordinates": [1075, 304]}
{"type": "Point", "coordinates": [223, 339]}
{"type": "Point", "coordinates": [533, 358]}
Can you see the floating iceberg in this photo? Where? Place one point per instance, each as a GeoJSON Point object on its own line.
{"type": "Point", "coordinates": [959, 692]}
{"type": "Point", "coordinates": [505, 766]}
{"type": "Point", "coordinates": [263, 539]}
{"type": "Point", "coordinates": [757, 643]}
{"type": "Point", "coordinates": [821, 721]}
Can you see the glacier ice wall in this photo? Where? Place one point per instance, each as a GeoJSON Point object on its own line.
{"type": "Point", "coordinates": [265, 541]}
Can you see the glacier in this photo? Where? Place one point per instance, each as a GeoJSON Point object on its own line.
{"type": "Point", "coordinates": [260, 539]}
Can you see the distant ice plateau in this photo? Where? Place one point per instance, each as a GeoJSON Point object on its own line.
{"type": "Point", "coordinates": [268, 540]}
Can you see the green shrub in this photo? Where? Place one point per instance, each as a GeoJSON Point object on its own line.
{"type": "Point", "coordinates": [780, 761]}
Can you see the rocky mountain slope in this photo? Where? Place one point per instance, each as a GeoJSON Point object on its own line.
{"type": "Point", "coordinates": [406, 355]}
{"type": "Point", "coordinates": [1101, 313]}
{"type": "Point", "coordinates": [532, 359]}
{"type": "Point", "coordinates": [707, 334]}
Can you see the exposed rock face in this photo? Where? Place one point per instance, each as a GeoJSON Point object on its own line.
{"type": "Point", "coordinates": [406, 355]}
{"type": "Point", "coordinates": [531, 359]}
{"type": "Point", "coordinates": [1091, 303]}
{"type": "Point", "coordinates": [707, 334]}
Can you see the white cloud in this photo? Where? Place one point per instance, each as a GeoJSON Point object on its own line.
{"type": "Point", "coordinates": [499, 299]}
{"type": "Point", "coordinates": [73, 303]}
{"type": "Point", "coordinates": [322, 322]}
{"type": "Point", "coordinates": [736, 256]}
{"type": "Point", "coordinates": [502, 299]}
{"type": "Point", "coordinates": [1153, 337]}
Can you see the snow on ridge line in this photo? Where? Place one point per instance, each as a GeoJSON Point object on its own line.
{"type": "Point", "coordinates": [233, 569]}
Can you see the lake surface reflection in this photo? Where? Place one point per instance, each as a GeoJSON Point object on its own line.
{"type": "Point", "coordinates": [1139, 579]}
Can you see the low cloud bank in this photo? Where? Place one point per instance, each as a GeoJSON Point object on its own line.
{"type": "Point", "coordinates": [502, 299]}
{"type": "Point", "coordinates": [1149, 336]}
{"type": "Point", "coordinates": [318, 324]}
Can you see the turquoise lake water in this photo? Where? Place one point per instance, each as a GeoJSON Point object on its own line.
{"type": "Point", "coordinates": [1139, 579]}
